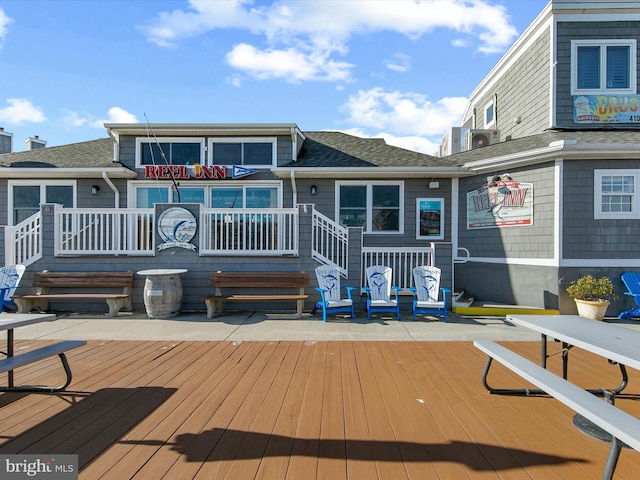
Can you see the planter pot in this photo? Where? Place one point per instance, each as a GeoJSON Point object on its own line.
{"type": "Point", "coordinates": [594, 310]}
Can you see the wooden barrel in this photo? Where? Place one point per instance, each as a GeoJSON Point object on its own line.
{"type": "Point", "coordinates": [163, 293]}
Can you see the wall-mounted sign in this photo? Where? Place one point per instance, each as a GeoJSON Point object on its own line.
{"type": "Point", "coordinates": [177, 227]}
{"type": "Point", "coordinates": [196, 172]}
{"type": "Point", "coordinates": [606, 109]}
{"type": "Point", "coordinates": [430, 218]}
{"type": "Point", "coordinates": [504, 203]}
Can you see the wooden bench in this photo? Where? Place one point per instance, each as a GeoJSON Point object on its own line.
{"type": "Point", "coordinates": [256, 280]}
{"type": "Point", "coordinates": [11, 363]}
{"type": "Point", "coordinates": [622, 426]}
{"type": "Point", "coordinates": [76, 284]}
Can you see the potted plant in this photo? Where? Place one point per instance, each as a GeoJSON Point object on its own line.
{"type": "Point", "coordinates": [592, 295]}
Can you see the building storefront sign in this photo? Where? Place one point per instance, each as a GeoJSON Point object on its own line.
{"type": "Point", "coordinates": [196, 172]}
{"type": "Point", "coordinates": [177, 227]}
{"type": "Point", "coordinates": [500, 204]}
{"type": "Point", "coordinates": [606, 109]}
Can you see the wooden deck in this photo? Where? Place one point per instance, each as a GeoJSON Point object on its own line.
{"type": "Point", "coordinates": [304, 410]}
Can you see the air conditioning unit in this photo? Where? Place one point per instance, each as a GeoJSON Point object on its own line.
{"type": "Point", "coordinates": [480, 138]}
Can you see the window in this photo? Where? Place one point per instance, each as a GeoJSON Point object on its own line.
{"type": "Point", "coordinates": [374, 207]}
{"type": "Point", "coordinates": [244, 197]}
{"type": "Point", "coordinates": [169, 151]}
{"type": "Point", "coordinates": [229, 196]}
{"type": "Point", "coordinates": [26, 197]}
{"type": "Point", "coordinates": [615, 195]}
{"type": "Point", "coordinates": [605, 66]}
{"type": "Point", "coordinates": [490, 115]}
{"type": "Point", "coordinates": [256, 152]}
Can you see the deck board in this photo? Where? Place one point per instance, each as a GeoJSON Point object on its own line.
{"type": "Point", "coordinates": [298, 410]}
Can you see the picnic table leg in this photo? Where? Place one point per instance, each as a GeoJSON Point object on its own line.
{"type": "Point", "coordinates": [10, 354]}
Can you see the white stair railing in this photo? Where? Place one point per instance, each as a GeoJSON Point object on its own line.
{"type": "Point", "coordinates": [401, 260]}
{"type": "Point", "coordinates": [23, 242]}
{"type": "Point", "coordinates": [329, 242]}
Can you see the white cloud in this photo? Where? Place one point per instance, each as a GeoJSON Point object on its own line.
{"type": "Point", "coordinates": [399, 62]}
{"type": "Point", "coordinates": [404, 112]}
{"type": "Point", "coordinates": [73, 119]}
{"type": "Point", "coordinates": [313, 32]}
{"type": "Point", "coordinates": [4, 24]}
{"type": "Point", "coordinates": [414, 143]}
{"type": "Point", "coordinates": [21, 110]}
{"type": "Point", "coordinates": [115, 115]}
{"type": "Point", "coordinates": [291, 64]}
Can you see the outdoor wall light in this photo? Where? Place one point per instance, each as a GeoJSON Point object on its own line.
{"type": "Point", "coordinates": [95, 189]}
{"type": "Point", "coordinates": [314, 189]}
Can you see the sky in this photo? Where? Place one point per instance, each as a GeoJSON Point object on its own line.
{"type": "Point", "coordinates": [398, 70]}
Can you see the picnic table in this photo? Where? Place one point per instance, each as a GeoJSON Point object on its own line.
{"type": "Point", "coordinates": [614, 343]}
{"type": "Point", "coordinates": [9, 322]}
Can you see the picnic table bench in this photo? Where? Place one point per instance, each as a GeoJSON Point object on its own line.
{"type": "Point", "coordinates": [115, 289]}
{"type": "Point", "coordinates": [256, 280]}
{"type": "Point", "coordinates": [10, 362]}
{"type": "Point", "coordinates": [623, 427]}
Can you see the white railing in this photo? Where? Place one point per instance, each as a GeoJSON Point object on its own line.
{"type": "Point", "coordinates": [104, 231]}
{"type": "Point", "coordinates": [23, 242]}
{"type": "Point", "coordinates": [257, 231]}
{"type": "Point", "coordinates": [401, 260]}
{"type": "Point", "coordinates": [329, 242]}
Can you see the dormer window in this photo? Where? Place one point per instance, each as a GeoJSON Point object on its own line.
{"type": "Point", "coordinates": [250, 152]}
{"type": "Point", "coordinates": [169, 151]}
{"type": "Point", "coordinates": [603, 66]}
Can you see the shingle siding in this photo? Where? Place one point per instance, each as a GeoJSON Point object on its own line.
{"type": "Point", "coordinates": [583, 235]}
{"type": "Point", "coordinates": [568, 31]}
{"type": "Point", "coordinates": [530, 241]}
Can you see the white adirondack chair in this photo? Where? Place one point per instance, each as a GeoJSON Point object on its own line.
{"type": "Point", "coordinates": [426, 291]}
{"type": "Point", "coordinates": [330, 290]}
{"type": "Point", "coordinates": [10, 277]}
{"type": "Point", "coordinates": [378, 289]}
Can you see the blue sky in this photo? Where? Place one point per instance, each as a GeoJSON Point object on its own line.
{"type": "Point", "coordinates": [395, 69]}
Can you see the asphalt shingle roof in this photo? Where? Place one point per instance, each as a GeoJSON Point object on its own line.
{"type": "Point", "coordinates": [337, 149]}
{"type": "Point", "coordinates": [542, 140]}
{"type": "Point", "coordinates": [92, 154]}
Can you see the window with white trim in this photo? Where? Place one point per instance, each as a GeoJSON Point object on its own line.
{"type": "Point", "coordinates": [229, 195]}
{"type": "Point", "coordinates": [169, 151]}
{"type": "Point", "coordinates": [603, 66]}
{"type": "Point", "coordinates": [27, 195]}
{"type": "Point", "coordinates": [490, 114]}
{"type": "Point", "coordinates": [250, 152]}
{"type": "Point", "coordinates": [376, 207]}
{"type": "Point", "coordinates": [615, 194]}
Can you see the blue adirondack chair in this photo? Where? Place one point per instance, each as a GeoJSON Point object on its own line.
{"type": "Point", "coordinates": [632, 282]}
{"type": "Point", "coordinates": [10, 276]}
{"type": "Point", "coordinates": [329, 287]}
{"type": "Point", "coordinates": [426, 291]}
{"type": "Point", "coordinates": [378, 290]}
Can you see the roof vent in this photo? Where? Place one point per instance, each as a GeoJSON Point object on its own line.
{"type": "Point", "coordinates": [6, 141]}
{"type": "Point", "coordinates": [34, 143]}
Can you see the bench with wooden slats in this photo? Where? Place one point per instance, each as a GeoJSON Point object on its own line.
{"type": "Point", "coordinates": [9, 364]}
{"type": "Point", "coordinates": [112, 287]}
{"type": "Point", "coordinates": [256, 280]}
{"type": "Point", "coordinates": [622, 426]}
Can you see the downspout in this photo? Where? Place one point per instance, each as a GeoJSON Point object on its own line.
{"type": "Point", "coordinates": [294, 188]}
{"type": "Point", "coordinates": [108, 181]}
